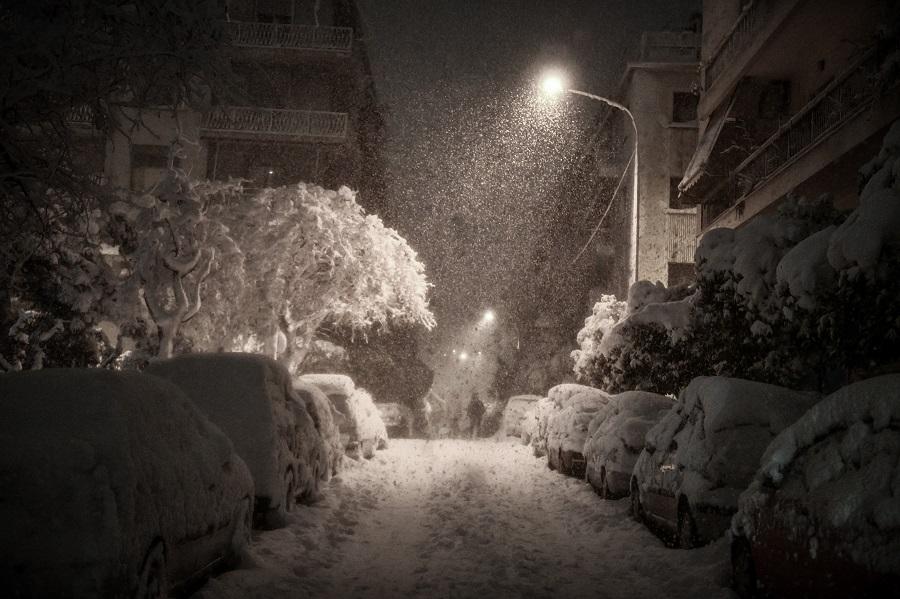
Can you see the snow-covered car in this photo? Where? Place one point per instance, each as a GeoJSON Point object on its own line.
{"type": "Point", "coordinates": [361, 427]}
{"type": "Point", "coordinates": [573, 408]}
{"type": "Point", "coordinates": [397, 419]}
{"type": "Point", "coordinates": [617, 438]}
{"type": "Point", "coordinates": [251, 398]}
{"type": "Point", "coordinates": [537, 428]}
{"type": "Point", "coordinates": [113, 484]}
{"type": "Point", "coordinates": [704, 453]}
{"type": "Point", "coordinates": [324, 416]}
{"type": "Point", "coordinates": [529, 423]}
{"type": "Point", "coordinates": [822, 516]}
{"type": "Point", "coordinates": [517, 409]}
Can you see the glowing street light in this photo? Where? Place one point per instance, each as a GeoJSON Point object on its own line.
{"type": "Point", "coordinates": [553, 84]}
{"type": "Point", "coordinates": [463, 356]}
{"type": "Point", "coordinates": [489, 316]}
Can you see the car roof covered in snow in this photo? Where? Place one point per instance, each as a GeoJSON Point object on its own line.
{"type": "Point", "coordinates": [567, 394]}
{"type": "Point", "coordinates": [250, 396]}
{"type": "Point", "coordinates": [95, 464]}
{"type": "Point", "coordinates": [331, 383]}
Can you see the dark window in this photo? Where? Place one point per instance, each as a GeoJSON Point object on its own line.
{"type": "Point", "coordinates": [680, 273]}
{"type": "Point", "coordinates": [148, 165]}
{"type": "Point", "coordinates": [684, 107]}
{"type": "Point", "coordinates": [274, 11]}
{"type": "Point", "coordinates": [674, 200]}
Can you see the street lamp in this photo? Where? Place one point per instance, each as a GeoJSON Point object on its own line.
{"type": "Point", "coordinates": [554, 84]}
{"type": "Point", "coordinates": [489, 316]}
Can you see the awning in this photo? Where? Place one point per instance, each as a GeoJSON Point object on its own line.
{"type": "Point", "coordinates": [705, 146]}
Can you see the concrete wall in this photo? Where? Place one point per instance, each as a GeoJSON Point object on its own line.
{"type": "Point", "coordinates": [663, 152]}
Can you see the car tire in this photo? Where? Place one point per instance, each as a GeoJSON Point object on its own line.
{"type": "Point", "coordinates": [743, 570]}
{"type": "Point", "coordinates": [368, 449]}
{"type": "Point", "coordinates": [290, 491]}
{"type": "Point", "coordinates": [604, 489]}
{"type": "Point", "coordinates": [687, 528]}
{"type": "Point", "coordinates": [240, 535]}
{"type": "Point", "coordinates": [153, 581]}
{"type": "Point", "coordinates": [637, 510]}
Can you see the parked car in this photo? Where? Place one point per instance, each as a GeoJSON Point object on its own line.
{"type": "Point", "coordinates": [574, 406]}
{"type": "Point", "coordinates": [538, 428]}
{"type": "Point", "coordinates": [251, 398]}
{"type": "Point", "coordinates": [529, 424]}
{"type": "Point", "coordinates": [324, 416]}
{"type": "Point", "coordinates": [113, 484]}
{"type": "Point", "coordinates": [822, 516]}
{"type": "Point", "coordinates": [617, 438]}
{"type": "Point", "coordinates": [397, 418]}
{"type": "Point", "coordinates": [517, 409]}
{"type": "Point", "coordinates": [704, 452]}
{"type": "Point", "coordinates": [362, 430]}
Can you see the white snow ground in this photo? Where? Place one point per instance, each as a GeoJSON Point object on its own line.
{"type": "Point", "coordinates": [456, 519]}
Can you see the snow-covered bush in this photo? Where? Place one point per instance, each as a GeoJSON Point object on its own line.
{"type": "Point", "coordinates": [638, 347]}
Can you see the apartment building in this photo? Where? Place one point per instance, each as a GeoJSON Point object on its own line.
{"type": "Point", "coordinates": [659, 89]}
{"type": "Point", "coordinates": [795, 97]}
{"type": "Point", "coordinates": [303, 107]}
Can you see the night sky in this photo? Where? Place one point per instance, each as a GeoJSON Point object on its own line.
{"type": "Point", "coordinates": [473, 153]}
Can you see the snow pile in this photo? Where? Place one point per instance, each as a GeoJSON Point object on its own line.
{"type": "Point", "coordinates": [805, 269]}
{"type": "Point", "coordinates": [518, 408]}
{"type": "Point", "coordinates": [94, 466]}
{"type": "Point", "coordinates": [716, 432]}
{"type": "Point", "coordinates": [250, 396]}
{"type": "Point", "coordinates": [617, 435]}
{"type": "Point", "coordinates": [322, 413]}
{"type": "Point", "coordinates": [836, 473]}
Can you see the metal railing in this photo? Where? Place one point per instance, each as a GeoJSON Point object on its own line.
{"type": "Point", "coordinates": [742, 33]}
{"type": "Point", "coordinates": [844, 98]}
{"type": "Point", "coordinates": [80, 115]}
{"type": "Point", "coordinates": [289, 36]}
{"type": "Point", "coordinates": [682, 228]}
{"type": "Point", "coordinates": [276, 122]}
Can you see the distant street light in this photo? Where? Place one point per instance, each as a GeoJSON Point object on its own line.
{"type": "Point", "coordinates": [554, 84]}
{"type": "Point", "coordinates": [489, 316]}
{"type": "Point", "coordinates": [463, 356]}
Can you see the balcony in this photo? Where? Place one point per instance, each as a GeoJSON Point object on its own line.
{"type": "Point", "coordinates": [670, 46]}
{"type": "Point", "coordinates": [278, 36]}
{"type": "Point", "coordinates": [682, 229]}
{"type": "Point", "coordinates": [247, 122]}
{"type": "Point", "coordinates": [850, 94]}
{"type": "Point", "coordinates": [747, 27]}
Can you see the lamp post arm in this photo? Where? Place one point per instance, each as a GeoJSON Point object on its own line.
{"type": "Point", "coordinates": [609, 102]}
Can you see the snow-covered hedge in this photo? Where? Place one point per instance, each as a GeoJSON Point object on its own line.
{"type": "Point", "coordinates": [803, 298]}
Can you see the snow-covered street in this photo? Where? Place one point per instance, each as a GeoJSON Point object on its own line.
{"type": "Point", "coordinates": [453, 518]}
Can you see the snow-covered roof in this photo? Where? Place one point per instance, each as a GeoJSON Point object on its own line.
{"type": "Point", "coordinates": [841, 460]}
{"type": "Point", "coordinates": [721, 426]}
{"type": "Point", "coordinates": [250, 397]}
{"type": "Point", "coordinates": [331, 383]}
{"type": "Point", "coordinates": [97, 464]}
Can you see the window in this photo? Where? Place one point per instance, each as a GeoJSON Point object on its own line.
{"type": "Point", "coordinates": [684, 107]}
{"type": "Point", "coordinates": [148, 165]}
{"type": "Point", "coordinates": [680, 273]}
{"type": "Point", "coordinates": [274, 11]}
{"type": "Point", "coordinates": [675, 201]}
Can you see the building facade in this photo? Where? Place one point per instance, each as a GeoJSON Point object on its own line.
{"type": "Point", "coordinates": [660, 91]}
{"type": "Point", "coordinates": [302, 108]}
{"type": "Point", "coordinates": [795, 97]}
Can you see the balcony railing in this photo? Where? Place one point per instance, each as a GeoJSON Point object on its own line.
{"type": "Point", "coordinates": [842, 100]}
{"type": "Point", "coordinates": [745, 29]}
{"type": "Point", "coordinates": [253, 121]}
{"type": "Point", "coordinates": [80, 115]}
{"type": "Point", "coordinates": [682, 228]}
{"type": "Point", "coordinates": [291, 37]}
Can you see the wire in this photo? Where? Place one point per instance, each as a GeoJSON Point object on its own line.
{"type": "Point", "coordinates": [602, 218]}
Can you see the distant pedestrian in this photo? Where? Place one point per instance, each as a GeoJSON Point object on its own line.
{"type": "Point", "coordinates": [476, 413]}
